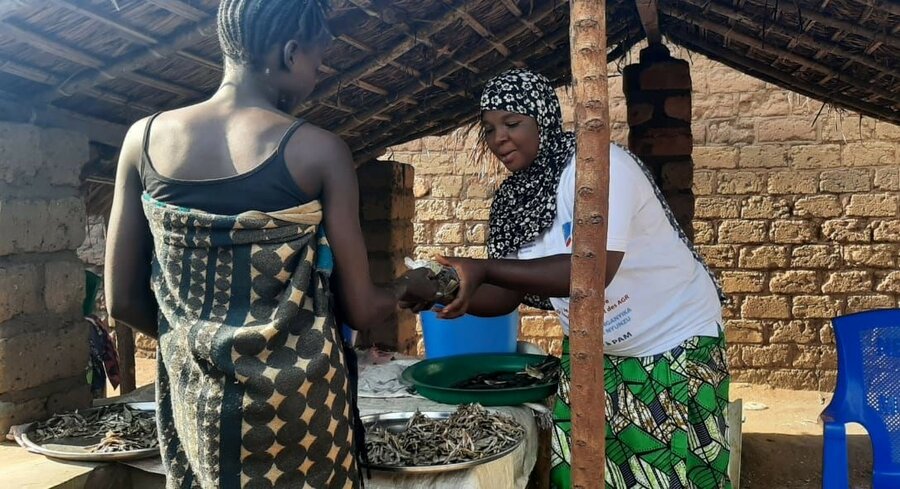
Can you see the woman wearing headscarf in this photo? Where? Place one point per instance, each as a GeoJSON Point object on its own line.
{"type": "Point", "coordinates": [666, 376]}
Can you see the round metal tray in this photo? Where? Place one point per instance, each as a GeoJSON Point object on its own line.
{"type": "Point", "coordinates": [75, 448]}
{"type": "Point", "coordinates": [396, 422]}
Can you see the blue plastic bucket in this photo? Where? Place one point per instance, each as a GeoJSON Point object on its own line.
{"type": "Point", "coordinates": [469, 334]}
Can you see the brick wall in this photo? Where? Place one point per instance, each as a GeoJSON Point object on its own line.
{"type": "Point", "coordinates": [43, 336]}
{"type": "Point", "coordinates": [796, 210]}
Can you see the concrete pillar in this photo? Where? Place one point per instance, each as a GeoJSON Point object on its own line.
{"type": "Point", "coordinates": [387, 207]}
{"type": "Point", "coordinates": [658, 97]}
{"type": "Point", "coordinates": [43, 336]}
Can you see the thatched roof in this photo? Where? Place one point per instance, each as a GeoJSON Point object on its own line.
{"type": "Point", "coordinates": [401, 69]}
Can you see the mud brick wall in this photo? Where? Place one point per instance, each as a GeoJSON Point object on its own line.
{"type": "Point", "coordinates": [796, 211]}
{"type": "Point", "coordinates": [386, 211]}
{"type": "Point", "coordinates": [43, 336]}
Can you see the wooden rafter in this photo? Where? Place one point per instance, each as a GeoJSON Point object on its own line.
{"type": "Point", "coordinates": [129, 33]}
{"type": "Point", "coordinates": [43, 77]}
{"type": "Point", "coordinates": [369, 66]}
{"type": "Point", "coordinates": [648, 11]}
{"type": "Point", "coordinates": [57, 48]}
{"type": "Point", "coordinates": [751, 41]}
{"type": "Point", "coordinates": [410, 118]}
{"type": "Point", "coordinates": [835, 23]}
{"type": "Point", "coordinates": [765, 71]}
{"type": "Point", "coordinates": [479, 28]}
{"type": "Point", "coordinates": [180, 9]}
{"type": "Point", "coordinates": [97, 130]}
{"type": "Point", "coordinates": [181, 39]}
{"type": "Point", "coordinates": [796, 38]}
{"type": "Point", "coordinates": [449, 68]}
{"type": "Point", "coordinates": [393, 17]}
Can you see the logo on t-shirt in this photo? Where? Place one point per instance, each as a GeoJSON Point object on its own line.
{"type": "Point", "coordinates": [567, 233]}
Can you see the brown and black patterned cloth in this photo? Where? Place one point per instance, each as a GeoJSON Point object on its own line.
{"type": "Point", "coordinates": [253, 387]}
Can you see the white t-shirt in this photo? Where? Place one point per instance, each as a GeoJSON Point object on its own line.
{"type": "Point", "coordinates": [661, 295]}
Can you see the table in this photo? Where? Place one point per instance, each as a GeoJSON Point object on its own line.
{"type": "Point", "coordinates": [510, 472]}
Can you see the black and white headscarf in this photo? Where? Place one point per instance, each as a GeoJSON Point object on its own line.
{"type": "Point", "coordinates": [525, 204]}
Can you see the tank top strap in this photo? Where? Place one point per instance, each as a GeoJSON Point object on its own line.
{"type": "Point", "coordinates": [287, 135]}
{"type": "Point", "coordinates": [145, 144]}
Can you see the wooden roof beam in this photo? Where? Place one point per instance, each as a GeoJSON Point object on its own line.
{"type": "Point", "coordinates": [765, 71]}
{"type": "Point", "coordinates": [648, 11]}
{"type": "Point", "coordinates": [370, 50]}
{"type": "Point", "coordinates": [181, 39]}
{"type": "Point", "coordinates": [40, 76]}
{"type": "Point", "coordinates": [8, 9]}
{"type": "Point", "coordinates": [369, 65]}
{"type": "Point", "coordinates": [728, 33]}
{"type": "Point", "coordinates": [180, 9]}
{"type": "Point", "coordinates": [796, 38]}
{"type": "Point", "coordinates": [97, 130]}
{"type": "Point", "coordinates": [65, 52]}
{"type": "Point", "coordinates": [546, 9]}
{"type": "Point", "coordinates": [559, 35]}
{"type": "Point", "coordinates": [522, 19]}
{"type": "Point", "coordinates": [130, 33]}
{"type": "Point", "coordinates": [482, 31]}
{"type": "Point", "coordinates": [835, 23]}
{"type": "Point", "coordinates": [393, 17]}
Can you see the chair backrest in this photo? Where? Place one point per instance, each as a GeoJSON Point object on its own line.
{"type": "Point", "coordinates": [868, 385]}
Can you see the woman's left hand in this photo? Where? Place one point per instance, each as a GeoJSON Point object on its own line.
{"type": "Point", "coordinates": [472, 274]}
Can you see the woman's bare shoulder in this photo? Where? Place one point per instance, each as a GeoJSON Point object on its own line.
{"type": "Point", "coordinates": [314, 146]}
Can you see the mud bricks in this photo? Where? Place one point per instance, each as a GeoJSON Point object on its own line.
{"type": "Point", "coordinates": [387, 207]}
{"type": "Point", "coordinates": [43, 336]}
{"type": "Point", "coordinates": [658, 100]}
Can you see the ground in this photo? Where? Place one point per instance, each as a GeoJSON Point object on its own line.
{"type": "Point", "coordinates": [782, 446]}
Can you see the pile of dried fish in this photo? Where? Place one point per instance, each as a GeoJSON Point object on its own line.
{"type": "Point", "coordinates": [471, 433]}
{"type": "Point", "coordinates": [118, 427]}
{"type": "Point", "coordinates": [546, 372]}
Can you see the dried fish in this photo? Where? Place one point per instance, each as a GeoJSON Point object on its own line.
{"type": "Point", "coordinates": [545, 372]}
{"type": "Point", "coordinates": [446, 278]}
{"type": "Point", "coordinates": [470, 433]}
{"type": "Point", "coordinates": [118, 427]}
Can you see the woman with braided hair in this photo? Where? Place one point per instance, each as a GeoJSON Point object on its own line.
{"type": "Point", "coordinates": [217, 246]}
{"type": "Point", "coordinates": [666, 377]}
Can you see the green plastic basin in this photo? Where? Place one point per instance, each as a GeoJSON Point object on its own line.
{"type": "Point", "coordinates": [433, 378]}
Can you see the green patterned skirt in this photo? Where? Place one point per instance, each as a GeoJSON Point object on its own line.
{"type": "Point", "coordinates": [665, 419]}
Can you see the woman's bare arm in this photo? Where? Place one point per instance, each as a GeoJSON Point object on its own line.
{"type": "Point", "coordinates": [365, 305]}
{"type": "Point", "coordinates": [129, 245]}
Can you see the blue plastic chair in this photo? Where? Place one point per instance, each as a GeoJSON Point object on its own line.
{"type": "Point", "coordinates": [868, 393]}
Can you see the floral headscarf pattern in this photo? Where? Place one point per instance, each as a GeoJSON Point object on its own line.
{"type": "Point", "coordinates": [525, 204]}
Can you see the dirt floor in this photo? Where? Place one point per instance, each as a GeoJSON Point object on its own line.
{"type": "Point", "coordinates": [782, 447]}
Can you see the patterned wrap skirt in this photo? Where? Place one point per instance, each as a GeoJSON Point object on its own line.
{"type": "Point", "coordinates": [253, 384]}
{"type": "Point", "coordinates": [665, 419]}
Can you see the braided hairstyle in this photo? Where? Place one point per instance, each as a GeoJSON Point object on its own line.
{"type": "Point", "coordinates": [248, 29]}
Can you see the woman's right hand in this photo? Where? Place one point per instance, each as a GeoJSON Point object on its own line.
{"type": "Point", "coordinates": [472, 274]}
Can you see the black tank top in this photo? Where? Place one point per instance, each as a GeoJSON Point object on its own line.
{"type": "Point", "coordinates": [268, 187]}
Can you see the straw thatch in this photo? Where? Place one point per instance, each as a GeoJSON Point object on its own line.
{"type": "Point", "coordinates": [401, 69]}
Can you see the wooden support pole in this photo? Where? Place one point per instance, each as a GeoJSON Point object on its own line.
{"type": "Point", "coordinates": [587, 24]}
{"type": "Point", "coordinates": [648, 11]}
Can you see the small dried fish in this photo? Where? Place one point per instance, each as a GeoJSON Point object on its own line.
{"type": "Point", "coordinates": [118, 427]}
{"type": "Point", "coordinates": [470, 433]}
{"type": "Point", "coordinates": [545, 372]}
{"type": "Point", "coordinates": [446, 277]}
